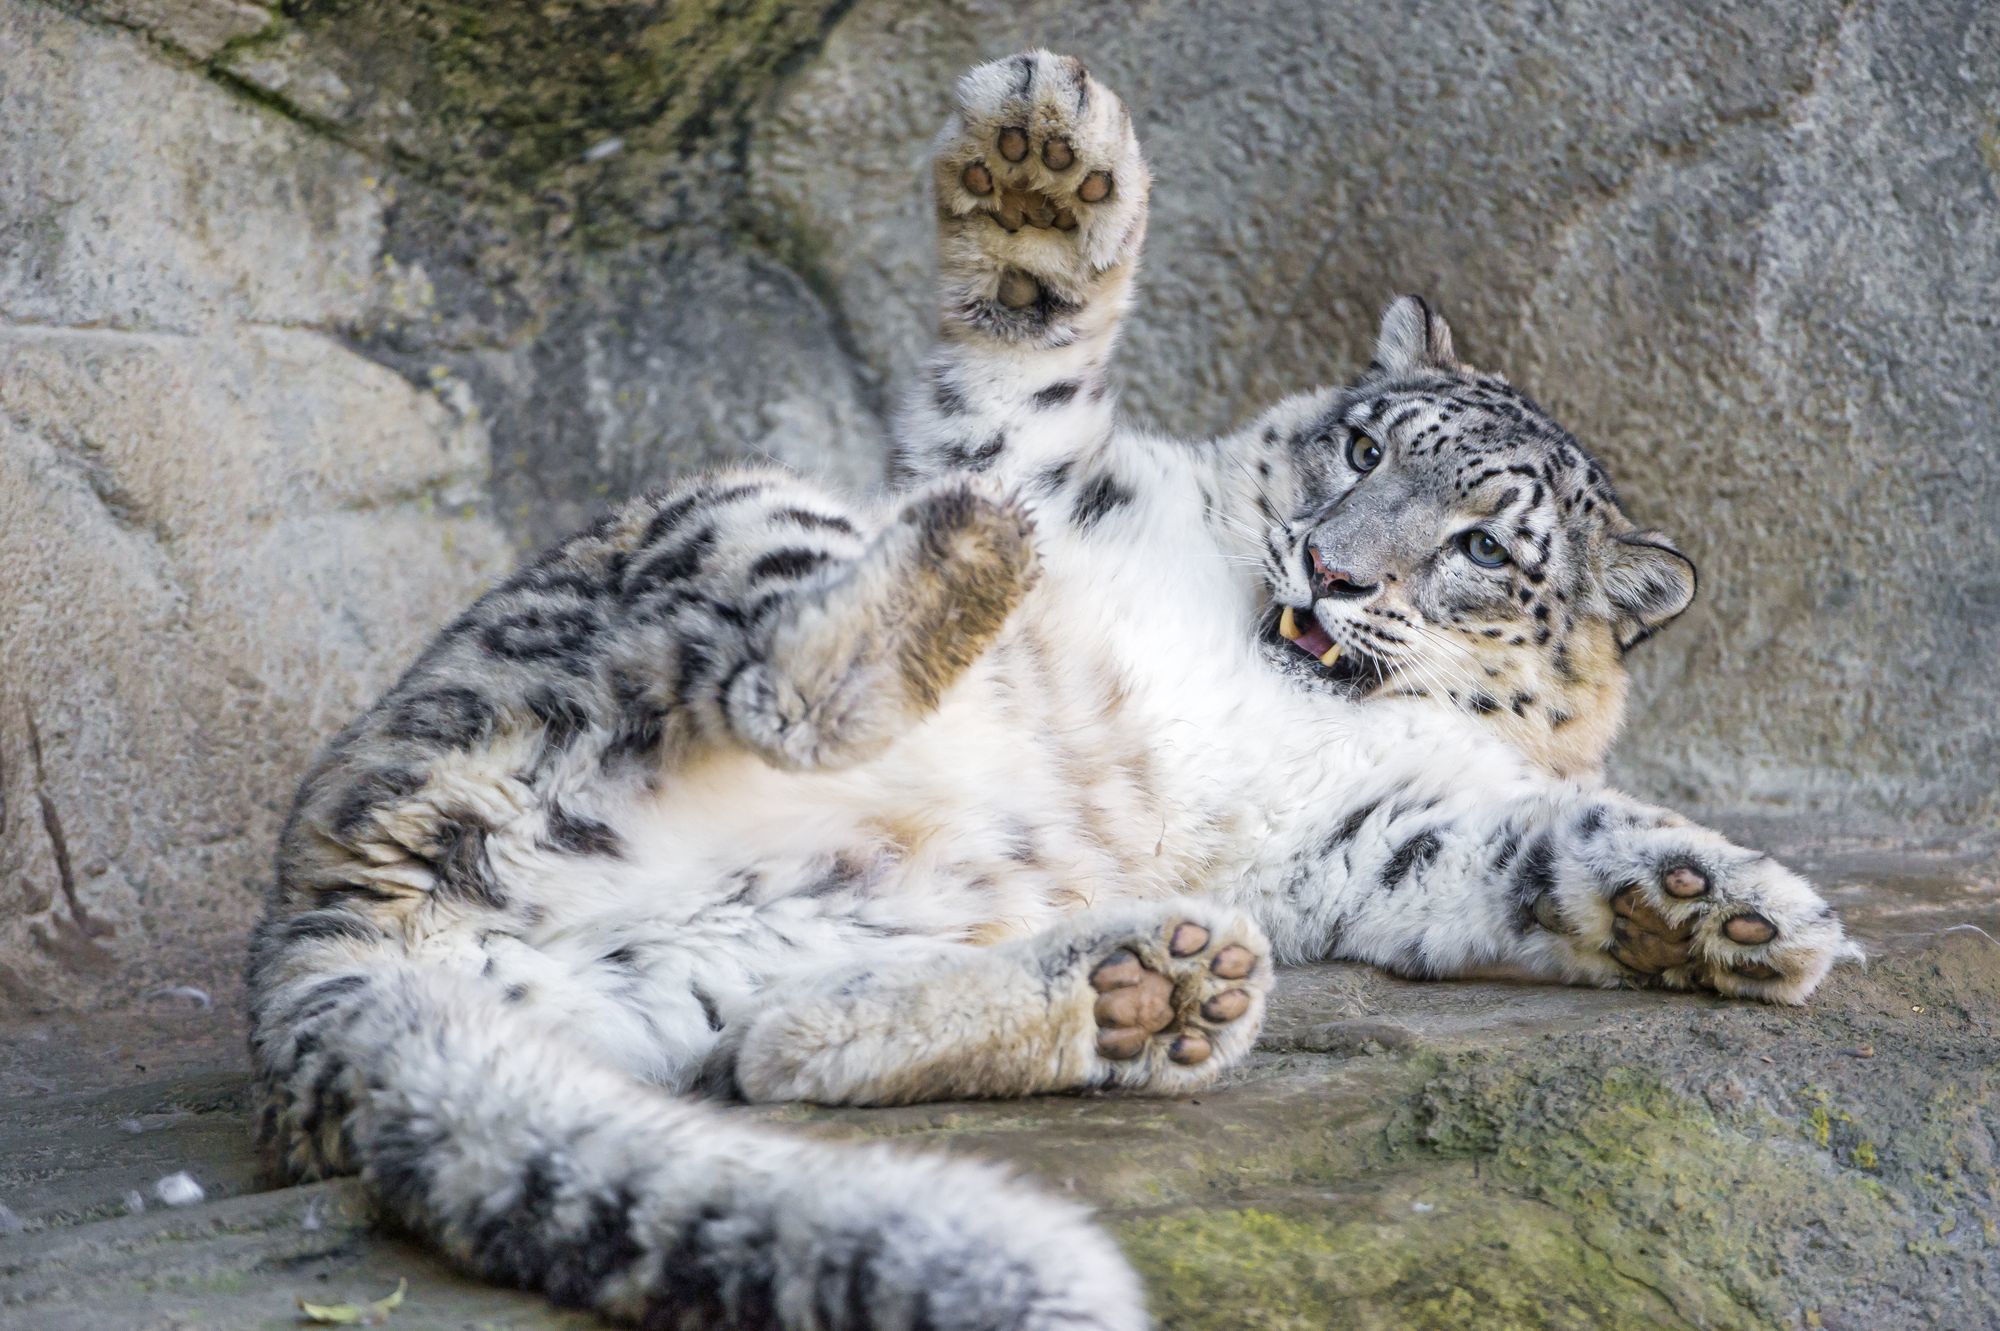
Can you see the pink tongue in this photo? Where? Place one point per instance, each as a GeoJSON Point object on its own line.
{"type": "Point", "coordinates": [1312, 640]}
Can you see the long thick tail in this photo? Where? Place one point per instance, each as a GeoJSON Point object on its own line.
{"type": "Point", "coordinates": [533, 1165]}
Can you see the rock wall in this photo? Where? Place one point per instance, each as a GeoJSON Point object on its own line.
{"type": "Point", "coordinates": [309, 324]}
{"type": "Point", "coordinates": [220, 528]}
{"type": "Point", "coordinates": [1748, 252]}
{"type": "Point", "coordinates": [312, 318]}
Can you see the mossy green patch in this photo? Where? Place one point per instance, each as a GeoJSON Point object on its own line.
{"type": "Point", "coordinates": [1496, 1262]}
{"type": "Point", "coordinates": [591, 112]}
{"type": "Point", "coordinates": [1714, 1213]}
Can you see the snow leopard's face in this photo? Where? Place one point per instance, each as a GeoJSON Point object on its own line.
{"type": "Point", "coordinates": [1449, 541]}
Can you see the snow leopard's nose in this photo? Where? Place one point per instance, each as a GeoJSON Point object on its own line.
{"type": "Point", "coordinates": [1332, 580]}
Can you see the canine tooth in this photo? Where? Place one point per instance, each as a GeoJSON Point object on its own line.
{"type": "Point", "coordinates": [1332, 655]}
{"type": "Point", "coordinates": [1288, 625]}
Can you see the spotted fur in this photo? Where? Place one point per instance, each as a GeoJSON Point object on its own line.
{"type": "Point", "coordinates": [1530, 648]}
{"type": "Point", "coordinates": [999, 786]}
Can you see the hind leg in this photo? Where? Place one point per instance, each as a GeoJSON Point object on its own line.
{"type": "Point", "coordinates": [850, 661]}
{"type": "Point", "coordinates": [1160, 998]}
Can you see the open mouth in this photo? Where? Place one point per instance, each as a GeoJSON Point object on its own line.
{"type": "Point", "coordinates": [1345, 666]}
{"type": "Point", "coordinates": [1299, 628]}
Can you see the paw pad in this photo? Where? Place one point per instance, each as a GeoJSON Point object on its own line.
{"type": "Point", "coordinates": [1133, 1005]}
{"type": "Point", "coordinates": [1117, 971]}
{"type": "Point", "coordinates": [1146, 1003]}
{"type": "Point", "coordinates": [1017, 289]}
{"type": "Point", "coordinates": [1234, 962]}
{"type": "Point", "coordinates": [1659, 902]}
{"type": "Point", "coordinates": [1122, 1042]}
{"type": "Point", "coordinates": [1642, 939]}
{"type": "Point", "coordinates": [1749, 929]}
{"type": "Point", "coordinates": [1038, 146]}
{"type": "Point", "coordinates": [1175, 998]}
{"type": "Point", "coordinates": [1685, 881]}
{"type": "Point", "coordinates": [1226, 1006]}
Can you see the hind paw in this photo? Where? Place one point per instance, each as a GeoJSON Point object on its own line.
{"type": "Point", "coordinates": [1176, 999]}
{"type": "Point", "coordinates": [969, 559]}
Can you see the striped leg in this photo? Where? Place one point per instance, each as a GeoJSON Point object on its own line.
{"type": "Point", "coordinates": [1157, 998]}
{"type": "Point", "coordinates": [753, 608]}
{"type": "Point", "coordinates": [816, 640]}
{"type": "Point", "coordinates": [856, 656]}
{"type": "Point", "coordinates": [1041, 194]}
{"type": "Point", "coordinates": [1592, 888]}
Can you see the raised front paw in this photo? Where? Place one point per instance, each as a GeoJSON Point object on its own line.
{"type": "Point", "coordinates": [1681, 907]}
{"type": "Point", "coordinates": [1041, 187]}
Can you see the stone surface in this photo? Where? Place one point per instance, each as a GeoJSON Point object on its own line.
{"type": "Point", "coordinates": [200, 29]}
{"type": "Point", "coordinates": [1396, 1156]}
{"type": "Point", "coordinates": [221, 530]}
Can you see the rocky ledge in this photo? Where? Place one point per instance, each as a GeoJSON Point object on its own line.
{"type": "Point", "coordinates": [1397, 1155]}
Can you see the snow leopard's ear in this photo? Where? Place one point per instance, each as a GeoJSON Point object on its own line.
{"type": "Point", "coordinates": [1413, 337]}
{"type": "Point", "coordinates": [1648, 582]}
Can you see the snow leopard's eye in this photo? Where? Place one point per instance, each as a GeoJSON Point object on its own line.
{"type": "Point", "coordinates": [1363, 453]}
{"type": "Point", "coordinates": [1482, 549]}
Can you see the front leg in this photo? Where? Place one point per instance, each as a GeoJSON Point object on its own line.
{"type": "Point", "coordinates": [1672, 903]}
{"type": "Point", "coordinates": [1591, 888]}
{"type": "Point", "coordinates": [1041, 197]}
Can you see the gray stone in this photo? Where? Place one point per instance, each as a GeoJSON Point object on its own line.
{"type": "Point", "coordinates": [1396, 1154]}
{"type": "Point", "coordinates": [200, 29]}
{"type": "Point", "coordinates": [221, 530]}
{"type": "Point", "coordinates": [217, 549]}
{"type": "Point", "coordinates": [661, 363]}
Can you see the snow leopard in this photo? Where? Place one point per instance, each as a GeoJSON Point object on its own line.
{"type": "Point", "coordinates": [1018, 778]}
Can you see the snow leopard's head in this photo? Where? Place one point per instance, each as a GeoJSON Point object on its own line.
{"type": "Point", "coordinates": [1441, 537]}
